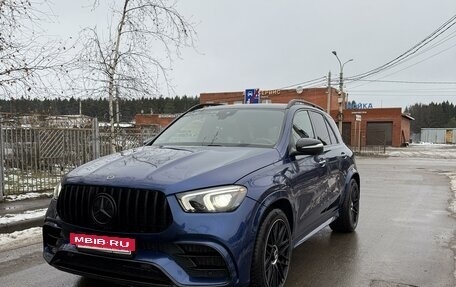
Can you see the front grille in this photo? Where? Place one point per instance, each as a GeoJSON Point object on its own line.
{"type": "Point", "coordinates": [197, 260]}
{"type": "Point", "coordinates": [136, 210]}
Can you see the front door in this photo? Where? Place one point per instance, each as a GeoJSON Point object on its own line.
{"type": "Point", "coordinates": [310, 177]}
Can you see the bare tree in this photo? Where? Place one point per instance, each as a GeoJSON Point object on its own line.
{"type": "Point", "coordinates": [135, 57]}
{"type": "Point", "coordinates": [30, 63]}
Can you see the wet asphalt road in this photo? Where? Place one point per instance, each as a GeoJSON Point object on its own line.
{"type": "Point", "coordinates": [403, 238]}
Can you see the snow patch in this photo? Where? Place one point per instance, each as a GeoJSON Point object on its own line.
{"type": "Point", "coordinates": [29, 195]}
{"type": "Point", "coordinates": [423, 154]}
{"type": "Point", "coordinates": [30, 214]}
{"type": "Point", "coordinates": [17, 239]}
{"type": "Point", "coordinates": [452, 177]}
{"type": "Point", "coordinates": [424, 150]}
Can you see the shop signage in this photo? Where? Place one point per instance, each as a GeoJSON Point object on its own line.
{"type": "Point", "coordinates": [359, 106]}
{"type": "Point", "coordinates": [270, 92]}
{"type": "Point", "coordinates": [252, 96]}
{"type": "Point", "coordinates": [166, 116]}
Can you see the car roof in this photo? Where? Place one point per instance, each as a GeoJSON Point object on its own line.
{"type": "Point", "coordinates": [248, 106]}
{"type": "Point", "coordinates": [258, 106]}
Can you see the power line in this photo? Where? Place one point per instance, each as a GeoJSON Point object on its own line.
{"type": "Point", "coordinates": [401, 58]}
{"type": "Point", "coordinates": [419, 62]}
{"type": "Point", "coordinates": [408, 91]}
{"type": "Point", "coordinates": [404, 57]}
{"type": "Point", "coordinates": [304, 84]}
{"type": "Point", "coordinates": [410, 82]}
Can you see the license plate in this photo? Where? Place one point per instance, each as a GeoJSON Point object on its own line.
{"type": "Point", "coordinates": [109, 244]}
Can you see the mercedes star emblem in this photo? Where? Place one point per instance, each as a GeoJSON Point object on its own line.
{"type": "Point", "coordinates": [103, 209]}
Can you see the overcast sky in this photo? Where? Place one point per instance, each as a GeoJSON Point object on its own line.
{"type": "Point", "coordinates": [274, 44]}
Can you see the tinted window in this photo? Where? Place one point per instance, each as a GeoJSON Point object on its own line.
{"type": "Point", "coordinates": [321, 131]}
{"type": "Point", "coordinates": [332, 135]}
{"type": "Point", "coordinates": [225, 127]}
{"type": "Point", "coordinates": [302, 128]}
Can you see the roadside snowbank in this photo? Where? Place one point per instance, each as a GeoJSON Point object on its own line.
{"type": "Point", "coordinates": [29, 195]}
{"type": "Point", "coordinates": [452, 177]}
{"type": "Point", "coordinates": [17, 239]}
{"type": "Point", "coordinates": [436, 151]}
{"type": "Point", "coordinates": [30, 214]}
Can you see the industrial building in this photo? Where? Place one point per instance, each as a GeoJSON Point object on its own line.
{"type": "Point", "coordinates": [363, 125]}
{"type": "Point", "coordinates": [439, 135]}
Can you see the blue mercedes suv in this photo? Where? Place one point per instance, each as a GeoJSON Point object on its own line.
{"type": "Point", "coordinates": [219, 198]}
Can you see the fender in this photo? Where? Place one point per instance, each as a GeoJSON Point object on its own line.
{"type": "Point", "coordinates": [352, 172]}
{"type": "Point", "coordinates": [273, 195]}
{"type": "Point", "coordinates": [270, 199]}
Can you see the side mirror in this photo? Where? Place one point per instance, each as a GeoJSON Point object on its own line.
{"type": "Point", "coordinates": [308, 146]}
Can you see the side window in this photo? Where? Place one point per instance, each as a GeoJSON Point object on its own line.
{"type": "Point", "coordinates": [321, 130]}
{"type": "Point", "coordinates": [302, 128]}
{"type": "Point", "coordinates": [332, 135]}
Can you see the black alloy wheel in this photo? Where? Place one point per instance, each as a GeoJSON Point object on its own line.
{"type": "Point", "coordinates": [272, 254]}
{"type": "Point", "coordinates": [354, 204]}
{"type": "Point", "coordinates": [349, 210]}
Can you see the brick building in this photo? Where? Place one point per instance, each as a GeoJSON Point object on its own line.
{"type": "Point", "coordinates": [160, 120]}
{"type": "Point", "coordinates": [361, 126]}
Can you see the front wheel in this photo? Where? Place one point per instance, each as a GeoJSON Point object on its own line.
{"type": "Point", "coordinates": [272, 253]}
{"type": "Point", "coordinates": [349, 210]}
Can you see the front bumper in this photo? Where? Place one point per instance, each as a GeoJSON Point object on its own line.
{"type": "Point", "coordinates": [195, 250]}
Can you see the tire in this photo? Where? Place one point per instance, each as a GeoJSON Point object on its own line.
{"type": "Point", "coordinates": [272, 253]}
{"type": "Point", "coordinates": [349, 210]}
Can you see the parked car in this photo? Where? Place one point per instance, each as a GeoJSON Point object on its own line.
{"type": "Point", "coordinates": [219, 198]}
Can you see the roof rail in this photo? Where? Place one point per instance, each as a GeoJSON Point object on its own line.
{"type": "Point", "coordinates": [302, 102]}
{"type": "Point", "coordinates": [200, 106]}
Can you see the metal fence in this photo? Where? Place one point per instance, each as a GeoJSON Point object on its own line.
{"type": "Point", "coordinates": [372, 143]}
{"type": "Point", "coordinates": [34, 159]}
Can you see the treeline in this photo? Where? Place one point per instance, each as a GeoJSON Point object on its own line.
{"type": "Point", "coordinates": [98, 107]}
{"type": "Point", "coordinates": [434, 115]}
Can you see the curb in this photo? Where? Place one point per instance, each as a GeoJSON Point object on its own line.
{"type": "Point", "coordinates": [21, 225]}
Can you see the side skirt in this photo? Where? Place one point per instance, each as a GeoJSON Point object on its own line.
{"type": "Point", "coordinates": [326, 223]}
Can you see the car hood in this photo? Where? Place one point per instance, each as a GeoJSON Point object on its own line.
{"type": "Point", "coordinates": [173, 169]}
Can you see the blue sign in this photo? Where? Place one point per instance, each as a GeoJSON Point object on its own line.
{"type": "Point", "coordinates": [252, 96]}
{"type": "Point", "coordinates": [359, 106]}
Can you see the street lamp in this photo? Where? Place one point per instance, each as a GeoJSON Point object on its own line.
{"type": "Point", "coordinates": [340, 117]}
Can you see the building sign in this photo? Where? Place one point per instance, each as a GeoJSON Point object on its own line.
{"type": "Point", "coordinates": [359, 106]}
{"type": "Point", "coordinates": [270, 92]}
{"type": "Point", "coordinates": [161, 116]}
{"type": "Point", "coordinates": [252, 96]}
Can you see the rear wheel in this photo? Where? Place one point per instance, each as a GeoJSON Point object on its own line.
{"type": "Point", "coordinates": [349, 211]}
{"type": "Point", "coordinates": [272, 253]}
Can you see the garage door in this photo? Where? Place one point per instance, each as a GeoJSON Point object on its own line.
{"type": "Point", "coordinates": [379, 133]}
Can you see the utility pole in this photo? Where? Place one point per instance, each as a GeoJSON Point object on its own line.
{"type": "Point", "coordinates": [341, 100]}
{"type": "Point", "coordinates": [2, 175]}
{"type": "Point", "coordinates": [328, 105]}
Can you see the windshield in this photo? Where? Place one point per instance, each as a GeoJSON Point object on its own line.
{"type": "Point", "coordinates": [225, 127]}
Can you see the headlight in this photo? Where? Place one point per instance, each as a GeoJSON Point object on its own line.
{"type": "Point", "coordinates": [57, 190]}
{"type": "Point", "coordinates": [217, 199]}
